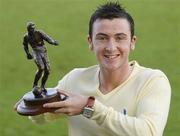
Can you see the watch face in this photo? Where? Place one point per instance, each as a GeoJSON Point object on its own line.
{"type": "Point", "coordinates": [88, 112]}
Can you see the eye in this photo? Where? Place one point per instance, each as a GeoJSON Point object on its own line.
{"type": "Point", "coordinates": [101, 37]}
{"type": "Point", "coordinates": [120, 38]}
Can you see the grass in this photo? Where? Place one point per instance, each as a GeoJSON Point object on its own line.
{"type": "Point", "coordinates": [157, 29]}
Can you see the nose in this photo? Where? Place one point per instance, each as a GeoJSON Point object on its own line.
{"type": "Point", "coordinates": [111, 46]}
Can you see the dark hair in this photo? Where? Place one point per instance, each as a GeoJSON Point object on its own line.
{"type": "Point", "coordinates": [110, 11]}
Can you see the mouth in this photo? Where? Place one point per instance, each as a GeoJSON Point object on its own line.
{"type": "Point", "coordinates": [111, 56]}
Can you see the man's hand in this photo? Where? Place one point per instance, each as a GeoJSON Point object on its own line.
{"type": "Point", "coordinates": [55, 43]}
{"type": "Point", "coordinates": [73, 105]}
{"type": "Point", "coordinates": [29, 56]}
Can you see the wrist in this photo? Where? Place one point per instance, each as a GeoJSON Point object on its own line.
{"type": "Point", "coordinates": [88, 110]}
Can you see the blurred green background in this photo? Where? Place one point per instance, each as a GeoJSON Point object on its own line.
{"type": "Point", "coordinates": [157, 28]}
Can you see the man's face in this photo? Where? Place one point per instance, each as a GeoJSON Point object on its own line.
{"type": "Point", "coordinates": [111, 42]}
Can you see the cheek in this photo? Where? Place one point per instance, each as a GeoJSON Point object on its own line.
{"type": "Point", "coordinates": [125, 45]}
{"type": "Point", "coordinates": [97, 47]}
{"type": "Point", "coordinates": [98, 51]}
{"type": "Point", "coordinates": [124, 50]}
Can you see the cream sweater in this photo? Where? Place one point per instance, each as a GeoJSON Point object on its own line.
{"type": "Point", "coordinates": [137, 107]}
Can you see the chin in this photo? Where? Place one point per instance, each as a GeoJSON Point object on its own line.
{"type": "Point", "coordinates": [111, 67]}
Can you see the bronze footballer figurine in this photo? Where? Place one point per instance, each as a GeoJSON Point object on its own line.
{"type": "Point", "coordinates": [35, 38]}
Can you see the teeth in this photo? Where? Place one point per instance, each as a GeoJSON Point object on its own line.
{"type": "Point", "coordinates": [111, 56]}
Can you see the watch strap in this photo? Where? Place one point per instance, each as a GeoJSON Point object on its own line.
{"type": "Point", "coordinates": [90, 101]}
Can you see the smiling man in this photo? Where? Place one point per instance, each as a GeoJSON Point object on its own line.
{"type": "Point", "coordinates": [111, 41]}
{"type": "Point", "coordinates": [117, 97]}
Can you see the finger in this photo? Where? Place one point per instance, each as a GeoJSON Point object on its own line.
{"type": "Point", "coordinates": [63, 97]}
{"type": "Point", "coordinates": [62, 110]}
{"type": "Point", "coordinates": [58, 104]}
{"type": "Point", "coordinates": [16, 105]}
{"type": "Point", "coordinates": [63, 94]}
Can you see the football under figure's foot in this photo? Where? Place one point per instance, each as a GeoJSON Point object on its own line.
{"type": "Point", "coordinates": [43, 90]}
{"type": "Point", "coordinates": [37, 92]}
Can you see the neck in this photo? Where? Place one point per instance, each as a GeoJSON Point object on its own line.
{"type": "Point", "coordinates": [109, 80]}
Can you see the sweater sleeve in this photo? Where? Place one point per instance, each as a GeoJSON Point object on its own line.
{"type": "Point", "coordinates": [44, 118]}
{"type": "Point", "coordinates": [151, 113]}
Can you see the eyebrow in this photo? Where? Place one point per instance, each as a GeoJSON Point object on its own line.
{"type": "Point", "coordinates": [118, 34]}
{"type": "Point", "coordinates": [101, 34]}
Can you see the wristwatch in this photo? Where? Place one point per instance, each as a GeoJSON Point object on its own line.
{"type": "Point", "coordinates": [88, 109]}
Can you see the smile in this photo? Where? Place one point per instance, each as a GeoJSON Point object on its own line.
{"type": "Point", "coordinates": [112, 56]}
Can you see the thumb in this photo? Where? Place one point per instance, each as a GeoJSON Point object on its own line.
{"type": "Point", "coordinates": [63, 94]}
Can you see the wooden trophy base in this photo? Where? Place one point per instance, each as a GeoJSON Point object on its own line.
{"type": "Point", "coordinates": [29, 105]}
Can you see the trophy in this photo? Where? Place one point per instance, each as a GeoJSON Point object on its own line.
{"type": "Point", "coordinates": [32, 102]}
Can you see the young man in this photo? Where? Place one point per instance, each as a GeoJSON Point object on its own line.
{"type": "Point", "coordinates": [117, 97]}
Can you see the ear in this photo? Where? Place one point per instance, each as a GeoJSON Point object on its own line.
{"type": "Point", "coordinates": [90, 43]}
{"type": "Point", "coordinates": [133, 43]}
